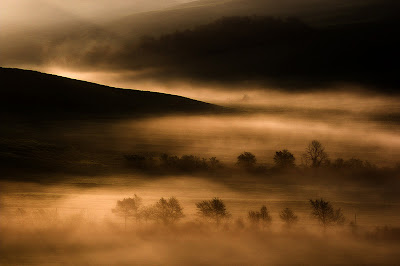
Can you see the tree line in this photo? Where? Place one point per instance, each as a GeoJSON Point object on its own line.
{"type": "Point", "coordinates": [169, 211]}
{"type": "Point", "coordinates": [314, 156]}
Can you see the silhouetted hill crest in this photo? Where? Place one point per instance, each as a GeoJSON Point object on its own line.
{"type": "Point", "coordinates": [26, 92]}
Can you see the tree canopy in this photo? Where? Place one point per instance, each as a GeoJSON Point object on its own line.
{"type": "Point", "coordinates": [324, 212]}
{"type": "Point", "coordinates": [168, 211]}
{"type": "Point", "coordinates": [287, 215]}
{"type": "Point", "coordinates": [128, 207]}
{"type": "Point", "coordinates": [214, 209]}
{"type": "Point", "coordinates": [315, 155]}
{"type": "Point", "coordinates": [284, 159]}
{"type": "Point", "coordinates": [262, 216]}
{"type": "Point", "coordinates": [246, 159]}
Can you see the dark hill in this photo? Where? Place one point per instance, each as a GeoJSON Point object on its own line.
{"type": "Point", "coordinates": [26, 92]}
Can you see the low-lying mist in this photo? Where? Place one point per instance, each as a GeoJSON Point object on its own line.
{"type": "Point", "coordinates": [348, 125]}
{"type": "Point", "coordinates": [226, 137]}
{"type": "Point", "coordinates": [74, 223]}
{"type": "Point", "coordinates": [297, 165]}
{"type": "Point", "coordinates": [61, 181]}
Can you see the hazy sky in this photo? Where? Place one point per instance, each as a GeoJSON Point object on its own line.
{"type": "Point", "coordinates": [14, 12]}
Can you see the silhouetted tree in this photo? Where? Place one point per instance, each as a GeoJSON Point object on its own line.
{"type": "Point", "coordinates": [247, 160]}
{"type": "Point", "coordinates": [189, 163]}
{"type": "Point", "coordinates": [325, 214]}
{"type": "Point", "coordinates": [354, 163]}
{"type": "Point", "coordinates": [213, 209]}
{"type": "Point", "coordinates": [135, 159]}
{"type": "Point", "coordinates": [315, 154]}
{"type": "Point", "coordinates": [253, 217]}
{"type": "Point", "coordinates": [284, 159]}
{"type": "Point", "coordinates": [140, 161]}
{"type": "Point", "coordinates": [168, 211]}
{"type": "Point", "coordinates": [288, 216]}
{"type": "Point", "coordinates": [147, 213]}
{"type": "Point", "coordinates": [169, 161]}
{"type": "Point", "coordinates": [262, 216]}
{"type": "Point", "coordinates": [214, 163]}
{"type": "Point", "coordinates": [128, 207]}
{"type": "Point", "coordinates": [369, 165]}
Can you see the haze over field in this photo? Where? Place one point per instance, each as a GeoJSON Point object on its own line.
{"type": "Point", "coordinates": [199, 132]}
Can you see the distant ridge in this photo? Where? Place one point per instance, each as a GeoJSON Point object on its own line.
{"type": "Point", "coordinates": [32, 93]}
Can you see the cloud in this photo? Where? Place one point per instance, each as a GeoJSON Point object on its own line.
{"type": "Point", "coordinates": [268, 51]}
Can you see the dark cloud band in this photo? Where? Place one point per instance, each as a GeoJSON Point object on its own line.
{"type": "Point", "coordinates": [284, 53]}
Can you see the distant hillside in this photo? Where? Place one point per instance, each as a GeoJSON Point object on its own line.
{"type": "Point", "coordinates": [313, 12]}
{"type": "Point", "coordinates": [26, 92]}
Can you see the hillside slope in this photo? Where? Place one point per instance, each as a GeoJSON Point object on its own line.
{"type": "Point", "coordinates": [28, 92]}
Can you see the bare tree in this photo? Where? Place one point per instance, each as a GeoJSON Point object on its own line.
{"type": "Point", "coordinates": [288, 216]}
{"type": "Point", "coordinates": [284, 159]}
{"type": "Point", "coordinates": [213, 209]}
{"type": "Point", "coordinates": [315, 154]}
{"type": "Point", "coordinates": [326, 215]}
{"type": "Point", "coordinates": [168, 211]}
{"type": "Point", "coordinates": [128, 207]}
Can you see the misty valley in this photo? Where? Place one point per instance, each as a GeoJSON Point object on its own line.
{"type": "Point", "coordinates": [62, 181]}
{"type": "Point", "coordinates": [199, 132]}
